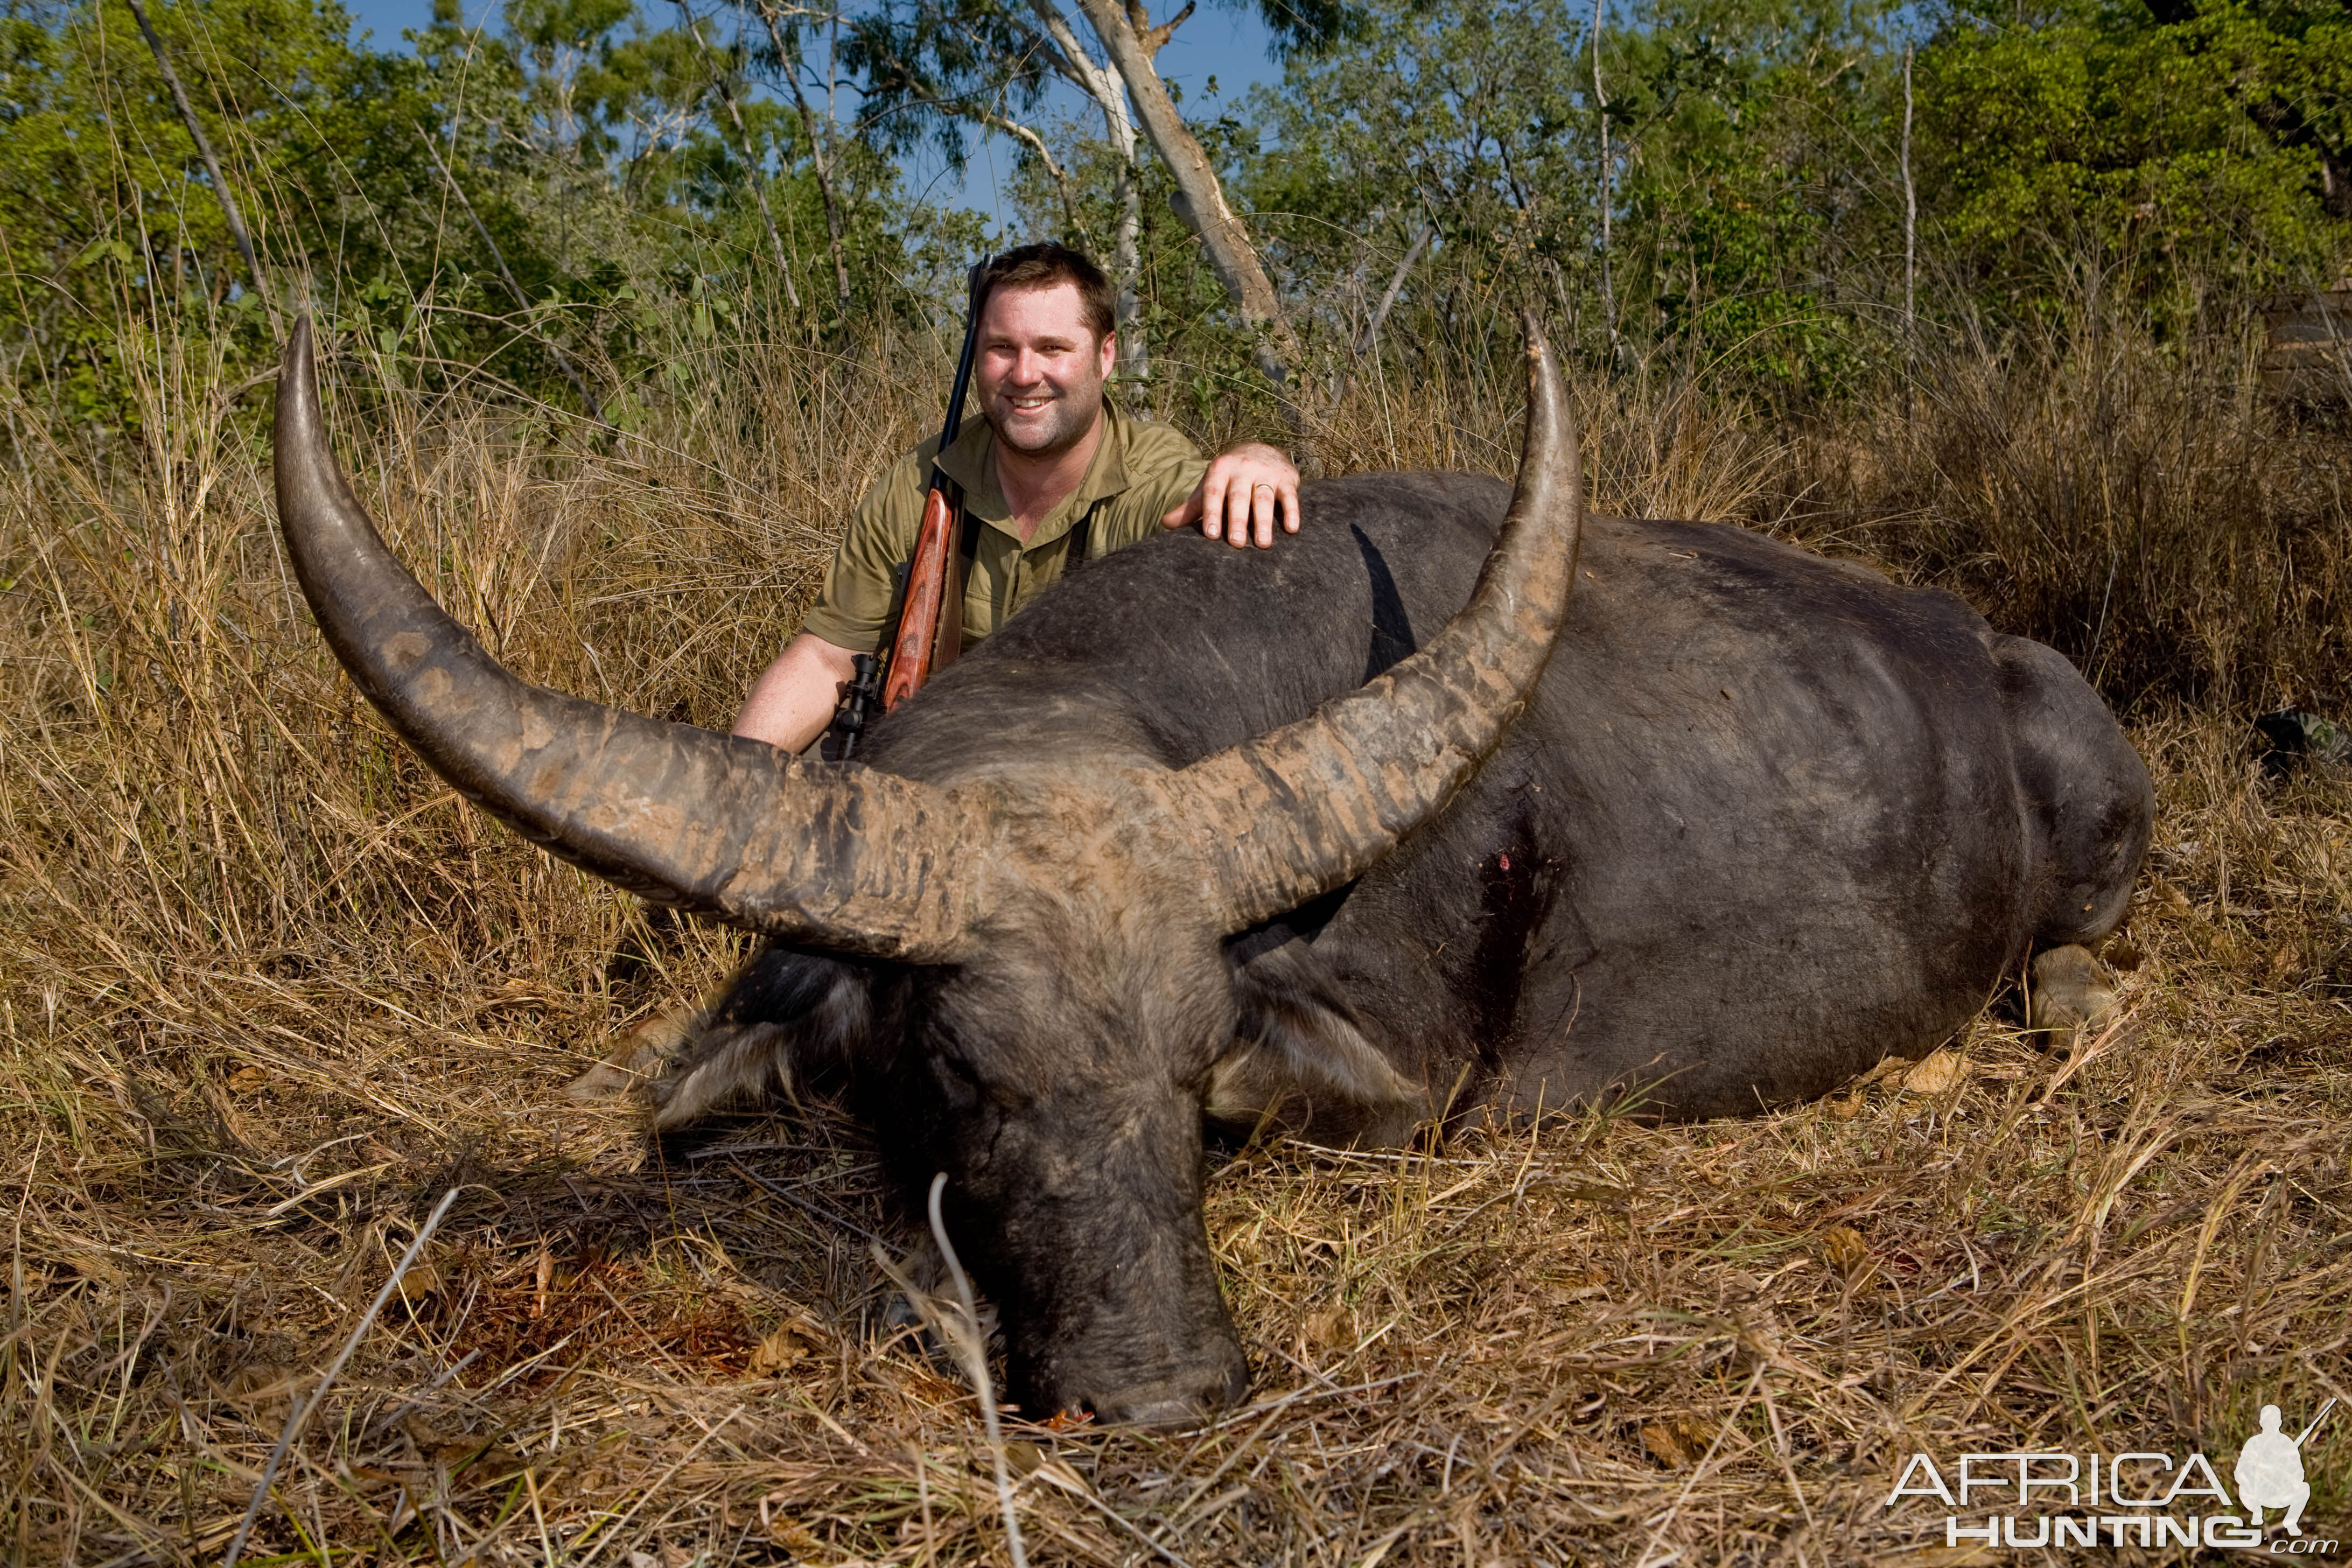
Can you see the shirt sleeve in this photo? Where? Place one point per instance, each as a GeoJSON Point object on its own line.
{"type": "Point", "coordinates": [854, 601]}
{"type": "Point", "coordinates": [1164, 469]}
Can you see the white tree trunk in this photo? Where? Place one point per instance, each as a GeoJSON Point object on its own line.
{"type": "Point", "coordinates": [1101, 84]}
{"type": "Point", "coordinates": [1127, 273]}
{"type": "Point", "coordinates": [1202, 203]}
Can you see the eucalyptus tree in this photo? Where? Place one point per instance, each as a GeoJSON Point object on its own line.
{"type": "Point", "coordinates": [1746, 157]}
{"type": "Point", "coordinates": [944, 65]}
{"type": "Point", "coordinates": [938, 66]}
{"type": "Point", "coordinates": [2192, 154]}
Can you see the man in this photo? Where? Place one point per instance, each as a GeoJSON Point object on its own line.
{"type": "Point", "coordinates": [1050, 462]}
{"type": "Point", "coordinates": [2270, 1472]}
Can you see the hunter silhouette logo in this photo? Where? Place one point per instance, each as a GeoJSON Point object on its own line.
{"type": "Point", "coordinates": [2269, 1471]}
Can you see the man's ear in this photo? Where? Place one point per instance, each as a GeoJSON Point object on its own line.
{"type": "Point", "coordinates": [1108, 354]}
{"type": "Point", "coordinates": [1302, 1062]}
{"type": "Point", "coordinates": [786, 1018]}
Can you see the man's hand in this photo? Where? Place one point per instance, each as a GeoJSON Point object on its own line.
{"type": "Point", "coordinates": [1241, 495]}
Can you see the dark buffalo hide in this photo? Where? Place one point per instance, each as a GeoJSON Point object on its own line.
{"type": "Point", "coordinates": [1768, 819]}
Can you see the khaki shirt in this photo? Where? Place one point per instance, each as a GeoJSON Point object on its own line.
{"type": "Point", "coordinates": [1140, 472]}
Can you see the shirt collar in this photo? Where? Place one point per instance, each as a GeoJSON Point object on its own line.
{"type": "Point", "coordinates": [968, 461]}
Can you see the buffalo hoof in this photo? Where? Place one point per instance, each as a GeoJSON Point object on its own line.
{"type": "Point", "coordinates": [2071, 994]}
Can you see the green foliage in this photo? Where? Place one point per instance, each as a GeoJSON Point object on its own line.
{"type": "Point", "coordinates": [514, 202]}
{"type": "Point", "coordinates": [103, 209]}
{"type": "Point", "coordinates": [1737, 198]}
{"type": "Point", "coordinates": [559, 202]}
{"type": "Point", "coordinates": [2202, 154]}
{"type": "Point", "coordinates": [2189, 162]}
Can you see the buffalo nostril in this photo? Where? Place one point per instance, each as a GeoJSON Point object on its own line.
{"type": "Point", "coordinates": [1179, 1402]}
{"type": "Point", "coordinates": [1165, 1413]}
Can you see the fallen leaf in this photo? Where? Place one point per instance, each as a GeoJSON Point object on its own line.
{"type": "Point", "coordinates": [1578, 1286]}
{"type": "Point", "coordinates": [1843, 1249]}
{"type": "Point", "coordinates": [788, 1346]}
{"type": "Point", "coordinates": [795, 1538]}
{"type": "Point", "coordinates": [1676, 1440]}
{"type": "Point", "coordinates": [463, 1453]}
{"type": "Point", "coordinates": [1888, 1068]}
{"type": "Point", "coordinates": [422, 1281]}
{"type": "Point", "coordinates": [260, 1384]}
{"type": "Point", "coordinates": [1941, 1070]}
{"type": "Point", "coordinates": [1333, 1328]}
{"type": "Point", "coordinates": [1665, 1445]}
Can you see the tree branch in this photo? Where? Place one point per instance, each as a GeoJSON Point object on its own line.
{"type": "Point", "coordinates": [1222, 233]}
{"type": "Point", "coordinates": [788, 58]}
{"type": "Point", "coordinates": [753, 175]}
{"type": "Point", "coordinates": [1370, 334]}
{"type": "Point", "coordinates": [237, 230]}
{"type": "Point", "coordinates": [1037, 145]}
{"type": "Point", "coordinates": [562, 361]}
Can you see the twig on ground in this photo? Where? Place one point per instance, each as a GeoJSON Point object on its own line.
{"type": "Point", "coordinates": [971, 1348]}
{"type": "Point", "coordinates": [301, 1413]}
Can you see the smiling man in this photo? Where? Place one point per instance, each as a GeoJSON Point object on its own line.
{"type": "Point", "coordinates": [1054, 472]}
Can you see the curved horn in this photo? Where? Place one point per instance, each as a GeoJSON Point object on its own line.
{"type": "Point", "coordinates": [844, 859]}
{"type": "Point", "coordinates": [1302, 809]}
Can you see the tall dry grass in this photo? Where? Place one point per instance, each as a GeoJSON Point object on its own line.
{"type": "Point", "coordinates": [2140, 505]}
{"type": "Point", "coordinates": [267, 991]}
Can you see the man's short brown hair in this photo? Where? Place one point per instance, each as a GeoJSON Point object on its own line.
{"type": "Point", "coordinates": [1046, 265]}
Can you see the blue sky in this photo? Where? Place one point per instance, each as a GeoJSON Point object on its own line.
{"type": "Point", "coordinates": [1230, 44]}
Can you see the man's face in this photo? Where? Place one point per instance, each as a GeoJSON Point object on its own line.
{"type": "Point", "coordinates": [1040, 370]}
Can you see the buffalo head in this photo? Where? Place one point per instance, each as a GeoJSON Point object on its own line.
{"type": "Point", "coordinates": [1016, 968]}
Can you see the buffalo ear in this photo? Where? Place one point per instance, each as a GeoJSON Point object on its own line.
{"type": "Point", "coordinates": [786, 1017]}
{"type": "Point", "coordinates": [1301, 1061]}
{"type": "Point", "coordinates": [638, 1058]}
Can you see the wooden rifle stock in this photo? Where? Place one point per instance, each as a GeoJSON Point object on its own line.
{"type": "Point", "coordinates": [923, 627]}
{"type": "Point", "coordinates": [929, 632]}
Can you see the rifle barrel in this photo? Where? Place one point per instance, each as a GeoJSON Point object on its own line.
{"type": "Point", "coordinates": [971, 304]}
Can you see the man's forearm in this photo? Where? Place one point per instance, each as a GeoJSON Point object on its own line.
{"type": "Point", "coordinates": [793, 701]}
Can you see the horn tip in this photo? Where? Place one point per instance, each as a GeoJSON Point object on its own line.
{"type": "Point", "coordinates": [297, 354]}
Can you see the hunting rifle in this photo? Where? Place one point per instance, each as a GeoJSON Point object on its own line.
{"type": "Point", "coordinates": [925, 632]}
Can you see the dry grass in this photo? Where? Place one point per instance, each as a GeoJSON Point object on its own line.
{"type": "Point", "coordinates": [2141, 507]}
{"type": "Point", "coordinates": [267, 993]}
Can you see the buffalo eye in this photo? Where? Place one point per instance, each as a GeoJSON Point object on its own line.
{"type": "Point", "coordinates": [959, 1082]}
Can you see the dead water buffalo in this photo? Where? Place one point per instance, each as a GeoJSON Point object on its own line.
{"type": "Point", "coordinates": [1232, 836]}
